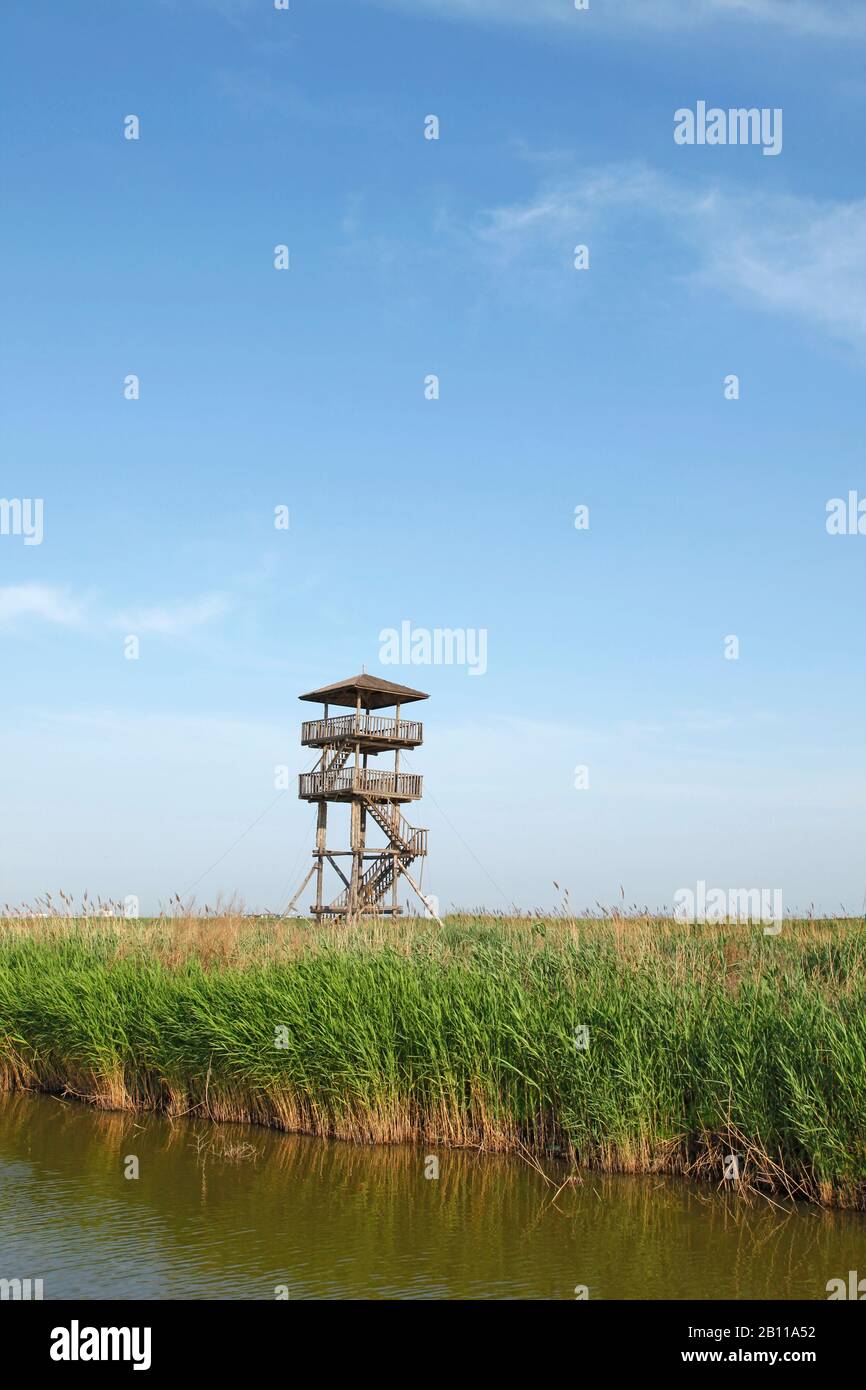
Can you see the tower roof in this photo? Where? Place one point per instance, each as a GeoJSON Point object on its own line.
{"type": "Point", "coordinates": [375, 693]}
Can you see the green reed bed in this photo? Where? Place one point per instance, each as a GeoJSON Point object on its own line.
{"type": "Point", "coordinates": [703, 1041]}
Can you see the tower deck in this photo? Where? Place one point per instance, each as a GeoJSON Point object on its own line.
{"type": "Point", "coordinates": [354, 782]}
{"type": "Point", "coordinates": [374, 732]}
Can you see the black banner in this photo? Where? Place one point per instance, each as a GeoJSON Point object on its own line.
{"type": "Point", "coordinates": [154, 1338]}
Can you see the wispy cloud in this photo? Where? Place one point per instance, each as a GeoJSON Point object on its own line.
{"type": "Point", "coordinates": [54, 604]}
{"type": "Point", "coordinates": [41, 602]}
{"type": "Point", "coordinates": [177, 619]}
{"type": "Point", "coordinates": [811, 18]}
{"type": "Point", "coordinates": [801, 257]}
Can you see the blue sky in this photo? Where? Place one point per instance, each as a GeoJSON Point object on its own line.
{"type": "Point", "coordinates": [558, 388]}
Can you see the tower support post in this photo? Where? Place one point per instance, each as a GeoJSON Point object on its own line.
{"type": "Point", "coordinates": [321, 846]}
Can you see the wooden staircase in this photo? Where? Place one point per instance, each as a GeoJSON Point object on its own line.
{"type": "Point", "coordinates": [337, 763]}
{"type": "Point", "coordinates": [409, 842]}
{"type": "Point", "coordinates": [401, 835]}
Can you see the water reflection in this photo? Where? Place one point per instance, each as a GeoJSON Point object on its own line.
{"type": "Point", "coordinates": [232, 1212]}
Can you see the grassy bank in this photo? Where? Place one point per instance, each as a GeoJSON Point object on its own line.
{"type": "Point", "coordinates": [702, 1040]}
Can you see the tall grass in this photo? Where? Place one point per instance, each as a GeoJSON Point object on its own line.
{"type": "Point", "coordinates": [703, 1041]}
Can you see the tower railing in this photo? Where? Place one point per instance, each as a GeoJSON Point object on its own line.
{"type": "Point", "coordinates": [363, 725]}
{"type": "Point", "coordinates": [361, 781]}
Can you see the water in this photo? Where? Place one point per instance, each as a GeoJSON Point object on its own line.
{"type": "Point", "coordinates": [231, 1211]}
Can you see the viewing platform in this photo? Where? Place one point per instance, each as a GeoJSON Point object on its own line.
{"type": "Point", "coordinates": [351, 782]}
{"type": "Point", "coordinates": [370, 730]}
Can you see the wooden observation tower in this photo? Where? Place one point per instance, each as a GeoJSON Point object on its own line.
{"type": "Point", "coordinates": [370, 874]}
